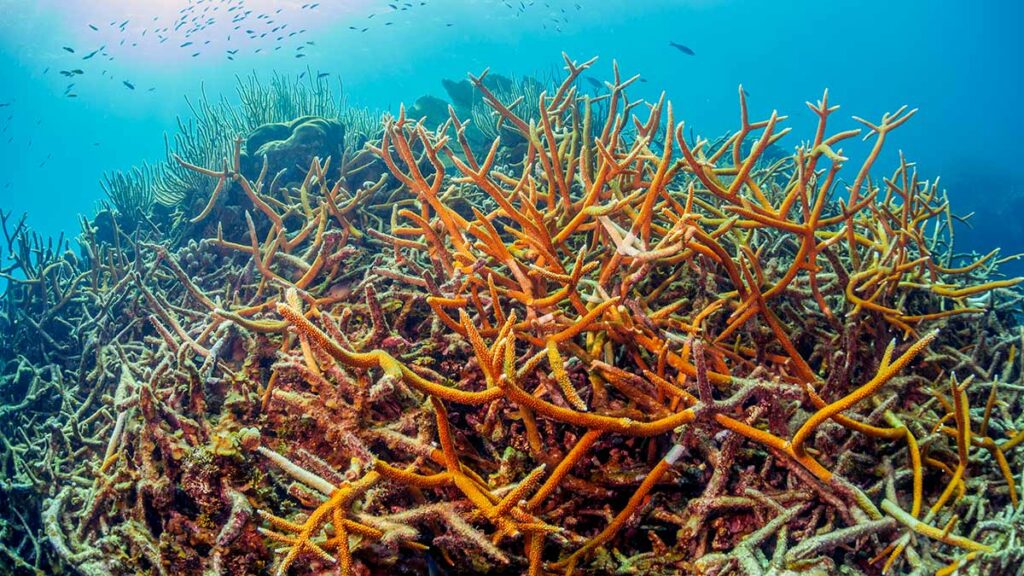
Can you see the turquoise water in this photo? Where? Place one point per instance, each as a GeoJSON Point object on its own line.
{"type": "Point", "coordinates": [960, 63]}
{"type": "Point", "coordinates": [546, 340]}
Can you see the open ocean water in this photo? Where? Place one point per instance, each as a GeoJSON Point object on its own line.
{"type": "Point", "coordinates": [510, 287]}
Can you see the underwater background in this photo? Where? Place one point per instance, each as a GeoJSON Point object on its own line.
{"type": "Point", "coordinates": [959, 62]}
{"type": "Point", "coordinates": [511, 287]}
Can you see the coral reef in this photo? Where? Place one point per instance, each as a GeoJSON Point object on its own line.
{"type": "Point", "coordinates": [286, 145]}
{"type": "Point", "coordinates": [484, 123]}
{"type": "Point", "coordinates": [624, 351]}
{"type": "Point", "coordinates": [279, 109]}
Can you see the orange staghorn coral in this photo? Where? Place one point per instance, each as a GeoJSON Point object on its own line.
{"type": "Point", "coordinates": [609, 347]}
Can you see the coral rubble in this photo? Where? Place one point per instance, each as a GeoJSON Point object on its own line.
{"type": "Point", "coordinates": [607, 347]}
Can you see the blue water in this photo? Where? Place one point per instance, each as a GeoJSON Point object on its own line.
{"type": "Point", "coordinates": [959, 62]}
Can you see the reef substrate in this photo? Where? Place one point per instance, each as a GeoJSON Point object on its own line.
{"type": "Point", "coordinates": [594, 345]}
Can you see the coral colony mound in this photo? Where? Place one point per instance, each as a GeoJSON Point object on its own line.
{"type": "Point", "coordinates": [521, 330]}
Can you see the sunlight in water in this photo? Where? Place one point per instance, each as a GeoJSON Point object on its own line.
{"type": "Point", "coordinates": [167, 31]}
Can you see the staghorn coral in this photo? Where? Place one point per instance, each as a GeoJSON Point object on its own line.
{"type": "Point", "coordinates": [625, 351]}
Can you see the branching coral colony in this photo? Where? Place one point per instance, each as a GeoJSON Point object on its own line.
{"type": "Point", "coordinates": [624, 351]}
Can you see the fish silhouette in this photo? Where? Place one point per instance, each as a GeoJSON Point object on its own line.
{"type": "Point", "coordinates": [681, 48]}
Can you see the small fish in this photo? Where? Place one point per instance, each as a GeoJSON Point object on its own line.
{"type": "Point", "coordinates": [93, 27]}
{"type": "Point", "coordinates": [91, 54]}
{"type": "Point", "coordinates": [6, 104]}
{"type": "Point", "coordinates": [151, 89]}
{"type": "Point", "coordinates": [128, 84]}
{"type": "Point", "coordinates": [594, 82]}
{"type": "Point", "coordinates": [323, 75]}
{"type": "Point", "coordinates": [681, 48]}
{"type": "Point", "coordinates": [183, 44]}
{"type": "Point", "coordinates": [69, 49]}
